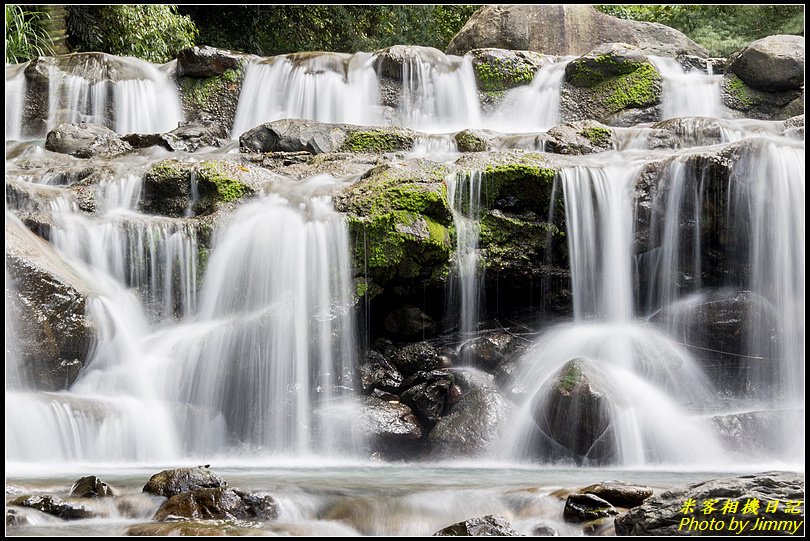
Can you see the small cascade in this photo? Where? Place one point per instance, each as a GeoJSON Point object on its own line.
{"type": "Point", "coordinates": [690, 93]}
{"type": "Point", "coordinates": [435, 147]}
{"type": "Point", "coordinates": [534, 107]}
{"type": "Point", "coordinates": [15, 100]}
{"type": "Point", "coordinates": [327, 87]}
{"type": "Point", "coordinates": [464, 195]}
{"type": "Point", "coordinates": [439, 93]}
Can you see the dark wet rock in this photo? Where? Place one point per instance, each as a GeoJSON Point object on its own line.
{"type": "Point", "coordinates": [565, 30]}
{"type": "Point", "coordinates": [90, 487]}
{"type": "Point", "coordinates": [599, 527]}
{"type": "Point", "coordinates": [14, 519]}
{"type": "Point", "coordinates": [392, 61]}
{"type": "Point", "coordinates": [754, 433]}
{"type": "Point", "coordinates": [295, 135]}
{"type": "Point", "coordinates": [773, 63]}
{"type": "Point", "coordinates": [377, 373]}
{"type": "Point", "coordinates": [85, 141]}
{"type": "Point", "coordinates": [618, 493]}
{"type": "Point", "coordinates": [573, 413]}
{"type": "Point", "coordinates": [204, 61]}
{"type": "Point", "coordinates": [53, 506]}
{"type": "Point", "coordinates": [501, 69]}
{"type": "Point", "coordinates": [171, 482]}
{"type": "Point", "coordinates": [605, 61]}
{"type": "Point", "coordinates": [583, 137]}
{"type": "Point", "coordinates": [218, 504]}
{"type": "Point", "coordinates": [418, 357]}
{"type": "Point", "coordinates": [761, 104]}
{"type": "Point", "coordinates": [489, 525]}
{"type": "Point", "coordinates": [198, 528]}
{"type": "Point", "coordinates": [391, 427]}
{"type": "Point", "coordinates": [586, 507]}
{"type": "Point", "coordinates": [428, 394]}
{"type": "Point", "coordinates": [662, 514]}
{"type": "Point", "coordinates": [544, 530]}
{"type": "Point", "coordinates": [489, 351]}
{"type": "Point", "coordinates": [48, 302]}
{"type": "Point", "coordinates": [473, 424]}
{"type": "Point", "coordinates": [409, 322]}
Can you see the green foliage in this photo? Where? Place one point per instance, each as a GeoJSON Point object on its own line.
{"type": "Point", "coordinates": [278, 29]}
{"type": "Point", "coordinates": [722, 29]}
{"type": "Point", "coordinates": [155, 33]}
{"type": "Point", "coordinates": [26, 36]}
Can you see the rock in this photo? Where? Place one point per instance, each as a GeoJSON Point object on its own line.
{"type": "Point", "coordinates": [53, 506]}
{"type": "Point", "coordinates": [377, 373]}
{"type": "Point", "coordinates": [489, 525]}
{"type": "Point", "coordinates": [204, 61]}
{"type": "Point", "coordinates": [772, 64]}
{"type": "Point", "coordinates": [565, 30]}
{"type": "Point", "coordinates": [490, 350]}
{"type": "Point", "coordinates": [544, 530]}
{"type": "Point", "coordinates": [618, 493]}
{"type": "Point", "coordinates": [474, 140]}
{"type": "Point", "coordinates": [294, 135]}
{"type": "Point", "coordinates": [500, 69]}
{"type": "Point", "coordinates": [574, 414]}
{"type": "Point", "coordinates": [428, 394]}
{"type": "Point", "coordinates": [85, 141]}
{"type": "Point", "coordinates": [586, 507]}
{"type": "Point", "coordinates": [418, 357]}
{"type": "Point", "coordinates": [214, 98]}
{"type": "Point", "coordinates": [583, 137]}
{"type": "Point", "coordinates": [14, 519]}
{"type": "Point", "coordinates": [605, 61]}
{"type": "Point", "coordinates": [197, 528]}
{"type": "Point", "coordinates": [662, 514]}
{"type": "Point", "coordinates": [473, 424]}
{"type": "Point", "coordinates": [607, 81]}
{"type": "Point", "coordinates": [599, 527]}
{"type": "Point", "coordinates": [391, 427]}
{"type": "Point", "coordinates": [761, 104]}
{"type": "Point", "coordinates": [752, 432]}
{"type": "Point", "coordinates": [47, 300]}
{"type": "Point", "coordinates": [172, 482]}
{"type": "Point", "coordinates": [188, 137]}
{"type": "Point", "coordinates": [392, 61]}
{"type": "Point", "coordinates": [409, 322]}
{"type": "Point", "coordinates": [217, 504]}
{"type": "Point", "coordinates": [90, 487]}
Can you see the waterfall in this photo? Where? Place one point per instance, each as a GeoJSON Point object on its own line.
{"type": "Point", "coordinates": [15, 100]}
{"type": "Point", "coordinates": [690, 93]}
{"type": "Point", "coordinates": [465, 286]}
{"type": "Point", "coordinates": [327, 87]}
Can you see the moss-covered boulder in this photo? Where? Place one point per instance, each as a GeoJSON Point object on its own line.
{"type": "Point", "coordinates": [754, 103]}
{"type": "Point", "coordinates": [210, 97]}
{"type": "Point", "coordinates": [607, 82]}
{"type": "Point", "coordinates": [584, 137]}
{"type": "Point", "coordinates": [474, 140]}
{"type": "Point", "coordinates": [502, 69]}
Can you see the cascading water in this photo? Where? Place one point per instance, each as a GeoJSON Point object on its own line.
{"type": "Point", "coordinates": [464, 195]}
{"type": "Point", "coordinates": [337, 88]}
{"type": "Point", "coordinates": [692, 93]}
{"type": "Point", "coordinates": [15, 100]}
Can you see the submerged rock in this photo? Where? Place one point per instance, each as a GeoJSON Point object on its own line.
{"type": "Point", "coordinates": [54, 506]}
{"type": "Point", "coordinates": [586, 507]}
{"type": "Point", "coordinates": [489, 525]}
{"type": "Point", "coordinates": [218, 504]}
{"type": "Point", "coordinates": [663, 513]}
{"type": "Point", "coordinates": [14, 519]}
{"type": "Point", "coordinates": [85, 141]}
{"type": "Point", "coordinates": [198, 528]}
{"type": "Point", "coordinates": [618, 493]}
{"type": "Point", "coordinates": [90, 487]}
{"type": "Point", "coordinates": [172, 482]}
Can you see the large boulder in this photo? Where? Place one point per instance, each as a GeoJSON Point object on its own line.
{"type": "Point", "coordinates": [394, 61]}
{"type": "Point", "coordinates": [390, 426]}
{"type": "Point", "coordinates": [46, 300]}
{"type": "Point", "coordinates": [772, 64]}
{"type": "Point", "coordinates": [489, 525]}
{"type": "Point", "coordinates": [500, 69]}
{"type": "Point", "coordinates": [85, 141]}
{"type": "Point", "coordinates": [218, 504]}
{"type": "Point", "coordinates": [205, 61]}
{"type": "Point", "coordinates": [377, 373]}
{"type": "Point", "coordinates": [430, 394]}
{"type": "Point", "coordinates": [53, 505]}
{"type": "Point", "coordinates": [602, 62]}
{"type": "Point", "coordinates": [670, 513]}
{"type": "Point", "coordinates": [583, 137]}
{"type": "Point", "coordinates": [751, 102]}
{"type": "Point", "coordinates": [565, 30]}
{"type": "Point", "coordinates": [171, 482]}
{"type": "Point", "coordinates": [418, 357]}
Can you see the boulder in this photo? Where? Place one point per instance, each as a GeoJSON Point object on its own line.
{"type": "Point", "coordinates": [583, 137]}
{"type": "Point", "coordinates": [46, 299]}
{"type": "Point", "coordinates": [489, 351]}
{"type": "Point", "coordinates": [565, 30]}
{"type": "Point", "coordinates": [172, 482]}
{"type": "Point", "coordinates": [217, 504]}
{"type": "Point", "coordinates": [212, 98]}
{"type": "Point", "coordinates": [377, 373]}
{"type": "Point", "coordinates": [14, 519]}
{"type": "Point", "coordinates": [90, 487]}
{"type": "Point", "coordinates": [544, 530]}
{"type": "Point", "coordinates": [500, 69]}
{"type": "Point", "coordinates": [188, 137]}
{"type": "Point", "coordinates": [53, 506]}
{"type": "Point", "coordinates": [618, 493]}
{"type": "Point", "coordinates": [393, 61]}
{"type": "Point", "coordinates": [85, 141]}
{"type": "Point", "coordinates": [762, 104]}
{"type": "Point", "coordinates": [663, 514]}
{"type": "Point", "coordinates": [390, 426]}
{"type": "Point", "coordinates": [755, 433]}
{"type": "Point", "coordinates": [586, 507]}
{"type": "Point", "coordinates": [473, 424]}
{"type": "Point", "coordinates": [205, 61]}
{"type": "Point", "coordinates": [409, 322]}
{"type": "Point", "coordinates": [418, 357]}
{"type": "Point", "coordinates": [489, 525]}
{"type": "Point", "coordinates": [773, 64]}
{"type": "Point", "coordinates": [474, 140]}
{"type": "Point", "coordinates": [605, 61]}
{"type": "Point", "coordinates": [429, 394]}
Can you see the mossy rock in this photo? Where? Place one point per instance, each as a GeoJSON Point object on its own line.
{"type": "Point", "coordinates": [497, 70]}
{"type": "Point", "coordinates": [760, 104]}
{"type": "Point", "coordinates": [473, 140]}
{"type": "Point", "coordinates": [212, 98]}
{"type": "Point", "coordinates": [378, 140]}
{"type": "Point", "coordinates": [604, 62]}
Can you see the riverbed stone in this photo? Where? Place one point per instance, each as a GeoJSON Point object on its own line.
{"type": "Point", "coordinates": [488, 525]}
{"type": "Point", "coordinates": [618, 493]}
{"type": "Point", "coordinates": [586, 507]}
{"type": "Point", "coordinates": [217, 504]}
{"type": "Point", "coordinates": [172, 482]}
{"type": "Point", "coordinates": [55, 506]}
{"type": "Point", "coordinates": [90, 487]}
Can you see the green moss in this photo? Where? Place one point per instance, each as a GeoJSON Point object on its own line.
{"type": "Point", "coordinates": [588, 72]}
{"type": "Point", "coordinates": [529, 185]}
{"type": "Point", "coordinates": [168, 170]}
{"type": "Point", "coordinates": [200, 91]}
{"type": "Point", "coordinates": [379, 140]}
{"type": "Point", "coordinates": [571, 376]}
{"type": "Point", "coordinates": [497, 76]}
{"type": "Point", "coordinates": [639, 89]}
{"type": "Point", "coordinates": [600, 137]}
{"type": "Point", "coordinates": [468, 141]}
{"type": "Point", "coordinates": [228, 188]}
{"type": "Point", "coordinates": [740, 93]}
